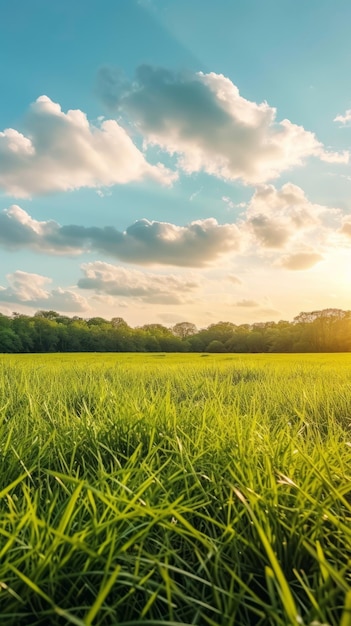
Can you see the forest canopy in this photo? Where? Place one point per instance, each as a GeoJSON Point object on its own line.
{"type": "Point", "coordinates": [328, 330]}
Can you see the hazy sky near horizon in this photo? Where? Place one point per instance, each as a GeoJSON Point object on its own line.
{"type": "Point", "coordinates": [175, 160]}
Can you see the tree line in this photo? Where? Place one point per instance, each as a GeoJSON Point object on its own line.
{"type": "Point", "coordinates": [328, 330]}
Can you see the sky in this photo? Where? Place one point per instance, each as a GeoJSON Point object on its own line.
{"type": "Point", "coordinates": [175, 160]}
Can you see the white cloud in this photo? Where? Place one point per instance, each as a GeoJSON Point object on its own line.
{"type": "Point", "coordinates": [113, 280]}
{"type": "Point", "coordinates": [278, 218]}
{"type": "Point", "coordinates": [144, 242]}
{"type": "Point", "coordinates": [194, 195]}
{"type": "Point", "coordinates": [343, 119]}
{"type": "Point", "coordinates": [24, 287]}
{"type": "Point", "coordinates": [346, 226]}
{"type": "Point", "coordinates": [231, 205]}
{"type": "Point", "coordinates": [301, 260]}
{"type": "Point", "coordinates": [277, 222]}
{"type": "Point", "coordinates": [63, 151]}
{"type": "Point", "coordinates": [228, 202]}
{"type": "Point", "coordinates": [19, 230]}
{"type": "Point", "coordinates": [204, 120]}
{"type": "Point", "coordinates": [30, 290]}
{"type": "Point", "coordinates": [335, 157]}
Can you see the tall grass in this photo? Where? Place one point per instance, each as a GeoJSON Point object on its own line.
{"type": "Point", "coordinates": [178, 489]}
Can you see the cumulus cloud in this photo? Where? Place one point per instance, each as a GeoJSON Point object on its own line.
{"type": "Point", "coordinates": [269, 231]}
{"type": "Point", "coordinates": [300, 260]}
{"type": "Point", "coordinates": [62, 151]}
{"type": "Point", "coordinates": [30, 290]}
{"type": "Point", "coordinates": [113, 280]}
{"type": "Point", "coordinates": [346, 226]}
{"type": "Point", "coordinates": [279, 217]}
{"type": "Point", "coordinates": [343, 119]}
{"type": "Point", "coordinates": [276, 221]}
{"type": "Point", "coordinates": [204, 120]}
{"type": "Point", "coordinates": [144, 242]}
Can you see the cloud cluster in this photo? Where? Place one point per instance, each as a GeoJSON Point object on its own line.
{"type": "Point", "coordinates": [201, 118]}
{"type": "Point", "coordinates": [301, 260]}
{"type": "Point", "coordinates": [143, 242]}
{"type": "Point", "coordinates": [343, 119]}
{"type": "Point", "coordinates": [277, 216]}
{"type": "Point", "coordinates": [276, 222]}
{"type": "Point", "coordinates": [151, 288]}
{"type": "Point", "coordinates": [63, 151]}
{"type": "Point", "coordinates": [283, 220]}
{"type": "Point", "coordinates": [205, 121]}
{"type": "Point", "coordinates": [30, 290]}
{"type": "Point", "coordinates": [346, 226]}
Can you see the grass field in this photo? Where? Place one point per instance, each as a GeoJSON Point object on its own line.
{"type": "Point", "coordinates": [212, 490]}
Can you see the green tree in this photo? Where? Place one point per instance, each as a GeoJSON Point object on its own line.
{"type": "Point", "coordinates": [184, 329]}
{"type": "Point", "coordinates": [216, 346]}
{"type": "Point", "coordinates": [9, 341]}
{"type": "Point", "coordinates": [46, 337]}
{"type": "Point", "coordinates": [23, 326]}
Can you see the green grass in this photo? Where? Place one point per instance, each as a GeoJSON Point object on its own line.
{"type": "Point", "coordinates": [175, 490]}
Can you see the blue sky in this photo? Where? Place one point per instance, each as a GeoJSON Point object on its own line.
{"type": "Point", "coordinates": [175, 160]}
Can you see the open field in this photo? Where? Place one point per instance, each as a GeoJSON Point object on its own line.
{"type": "Point", "coordinates": [212, 490]}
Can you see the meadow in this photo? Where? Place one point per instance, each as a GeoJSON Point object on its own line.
{"type": "Point", "coordinates": [212, 490]}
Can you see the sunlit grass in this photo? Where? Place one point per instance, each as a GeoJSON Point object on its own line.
{"type": "Point", "coordinates": [179, 489]}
